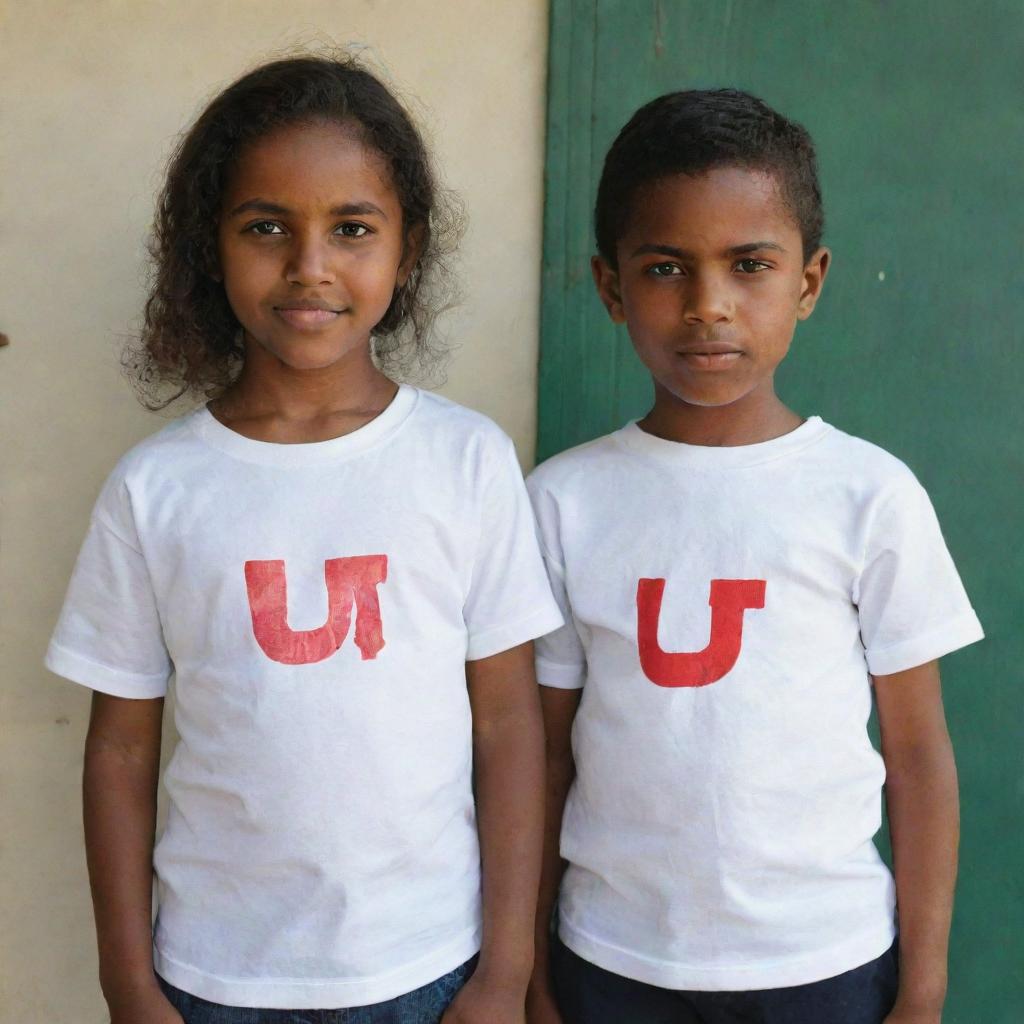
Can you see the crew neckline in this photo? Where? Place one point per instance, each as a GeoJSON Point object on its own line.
{"type": "Point", "coordinates": [311, 453]}
{"type": "Point", "coordinates": [695, 456]}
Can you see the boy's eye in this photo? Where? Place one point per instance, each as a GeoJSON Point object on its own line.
{"type": "Point", "coordinates": [751, 266]}
{"type": "Point", "coordinates": [352, 230]}
{"type": "Point", "coordinates": [664, 270]}
{"type": "Point", "coordinates": [265, 227]}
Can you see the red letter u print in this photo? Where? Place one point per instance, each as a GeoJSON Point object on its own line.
{"type": "Point", "coordinates": [729, 599]}
{"type": "Point", "coordinates": [349, 581]}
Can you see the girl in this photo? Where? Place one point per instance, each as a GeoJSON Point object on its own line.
{"type": "Point", "coordinates": [341, 574]}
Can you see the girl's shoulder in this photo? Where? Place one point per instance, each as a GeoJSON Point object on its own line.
{"type": "Point", "coordinates": [475, 436]}
{"type": "Point", "coordinates": [159, 447]}
{"type": "Point", "coordinates": [442, 413]}
{"type": "Point", "coordinates": [140, 470]}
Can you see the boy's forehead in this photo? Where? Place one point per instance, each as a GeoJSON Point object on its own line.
{"type": "Point", "coordinates": [724, 205]}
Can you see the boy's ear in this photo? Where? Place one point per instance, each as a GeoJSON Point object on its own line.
{"type": "Point", "coordinates": [814, 277]}
{"type": "Point", "coordinates": [411, 251]}
{"type": "Point", "coordinates": [606, 278]}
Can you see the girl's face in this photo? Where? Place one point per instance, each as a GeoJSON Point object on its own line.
{"type": "Point", "coordinates": [311, 244]}
{"type": "Point", "coordinates": [711, 283]}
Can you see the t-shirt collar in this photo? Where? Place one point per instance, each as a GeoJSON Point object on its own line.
{"type": "Point", "coordinates": [693, 456]}
{"type": "Point", "coordinates": [268, 453]}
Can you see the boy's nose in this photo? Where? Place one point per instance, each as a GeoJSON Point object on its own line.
{"type": "Point", "coordinates": [707, 301]}
{"type": "Point", "coordinates": [311, 264]}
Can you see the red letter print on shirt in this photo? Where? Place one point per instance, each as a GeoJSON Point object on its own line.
{"type": "Point", "coordinates": [349, 581]}
{"type": "Point", "coordinates": [729, 599]}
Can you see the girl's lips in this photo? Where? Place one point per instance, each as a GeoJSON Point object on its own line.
{"type": "Point", "coordinates": [307, 319]}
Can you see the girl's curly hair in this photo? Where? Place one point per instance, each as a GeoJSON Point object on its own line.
{"type": "Point", "coordinates": [190, 339]}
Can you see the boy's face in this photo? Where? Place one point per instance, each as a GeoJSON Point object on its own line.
{"type": "Point", "coordinates": [710, 284]}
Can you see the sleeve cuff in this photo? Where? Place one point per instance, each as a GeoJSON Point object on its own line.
{"type": "Point", "coordinates": [919, 650]}
{"type": "Point", "coordinates": [487, 642]}
{"type": "Point", "coordinates": [560, 677]}
{"type": "Point", "coordinates": [103, 678]}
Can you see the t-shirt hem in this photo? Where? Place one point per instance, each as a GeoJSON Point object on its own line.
{"type": "Point", "coordinates": [317, 994]}
{"type": "Point", "coordinates": [103, 678]}
{"type": "Point", "coordinates": [919, 650]}
{"type": "Point", "coordinates": [503, 638]}
{"type": "Point", "coordinates": [804, 970]}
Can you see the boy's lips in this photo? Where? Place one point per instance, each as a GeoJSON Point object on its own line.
{"type": "Point", "coordinates": [712, 355]}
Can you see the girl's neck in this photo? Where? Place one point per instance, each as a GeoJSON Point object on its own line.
{"type": "Point", "coordinates": [750, 420]}
{"type": "Point", "coordinates": [271, 401]}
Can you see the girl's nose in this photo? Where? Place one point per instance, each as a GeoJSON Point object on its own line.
{"type": "Point", "coordinates": [311, 263]}
{"type": "Point", "coordinates": [708, 300]}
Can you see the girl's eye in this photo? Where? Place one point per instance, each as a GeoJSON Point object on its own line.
{"type": "Point", "coordinates": [353, 230]}
{"type": "Point", "coordinates": [751, 266]}
{"type": "Point", "coordinates": [664, 270]}
{"type": "Point", "coordinates": [265, 227]}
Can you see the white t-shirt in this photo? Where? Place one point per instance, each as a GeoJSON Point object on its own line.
{"type": "Point", "coordinates": [719, 830]}
{"type": "Point", "coordinates": [321, 846]}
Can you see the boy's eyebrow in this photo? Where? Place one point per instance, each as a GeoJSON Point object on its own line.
{"type": "Point", "coordinates": [360, 209]}
{"type": "Point", "coordinates": [683, 254]}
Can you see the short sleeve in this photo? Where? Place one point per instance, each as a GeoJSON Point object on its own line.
{"type": "Point", "coordinates": [509, 600]}
{"type": "Point", "coordinates": [561, 657]}
{"type": "Point", "coordinates": [109, 636]}
{"type": "Point", "coordinates": [910, 600]}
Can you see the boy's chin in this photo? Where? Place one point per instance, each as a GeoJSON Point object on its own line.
{"type": "Point", "coordinates": [706, 398]}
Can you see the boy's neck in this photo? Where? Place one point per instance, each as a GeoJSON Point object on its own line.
{"type": "Point", "coordinates": [272, 402]}
{"type": "Point", "coordinates": [750, 420]}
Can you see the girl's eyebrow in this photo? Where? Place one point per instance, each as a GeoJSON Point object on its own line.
{"type": "Point", "coordinates": [360, 209]}
{"type": "Point", "coordinates": [682, 254]}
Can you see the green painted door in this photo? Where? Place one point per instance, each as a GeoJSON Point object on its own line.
{"type": "Point", "coordinates": [917, 110]}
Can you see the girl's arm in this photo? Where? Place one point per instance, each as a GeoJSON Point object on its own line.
{"type": "Point", "coordinates": [923, 808]}
{"type": "Point", "coordinates": [559, 709]}
{"type": "Point", "coordinates": [119, 784]}
{"type": "Point", "coordinates": [508, 770]}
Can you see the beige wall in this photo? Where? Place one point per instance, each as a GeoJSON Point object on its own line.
{"type": "Point", "coordinates": [91, 97]}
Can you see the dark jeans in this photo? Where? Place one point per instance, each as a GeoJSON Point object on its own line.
{"type": "Point", "coordinates": [423, 1006]}
{"type": "Point", "coordinates": [587, 994]}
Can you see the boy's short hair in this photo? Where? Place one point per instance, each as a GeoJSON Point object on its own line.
{"type": "Point", "coordinates": [695, 131]}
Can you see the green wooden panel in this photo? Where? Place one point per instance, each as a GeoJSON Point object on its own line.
{"type": "Point", "coordinates": [917, 110]}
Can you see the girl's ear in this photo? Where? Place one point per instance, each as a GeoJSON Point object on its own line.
{"type": "Point", "coordinates": [606, 277]}
{"type": "Point", "coordinates": [411, 252]}
{"type": "Point", "coordinates": [208, 257]}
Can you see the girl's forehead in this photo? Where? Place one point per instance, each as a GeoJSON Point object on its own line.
{"type": "Point", "coordinates": [323, 159]}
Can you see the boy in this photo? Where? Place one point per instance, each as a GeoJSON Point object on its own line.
{"type": "Point", "coordinates": [720, 807]}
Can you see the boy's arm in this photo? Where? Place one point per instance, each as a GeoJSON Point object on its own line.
{"type": "Point", "coordinates": [508, 767]}
{"type": "Point", "coordinates": [559, 708]}
{"type": "Point", "coordinates": [119, 784]}
{"type": "Point", "coordinates": [923, 808]}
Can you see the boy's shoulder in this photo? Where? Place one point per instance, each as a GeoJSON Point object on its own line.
{"type": "Point", "coordinates": [864, 465]}
{"type": "Point", "coordinates": [575, 465]}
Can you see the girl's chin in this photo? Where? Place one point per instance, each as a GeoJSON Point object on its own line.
{"type": "Point", "coordinates": [310, 357]}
